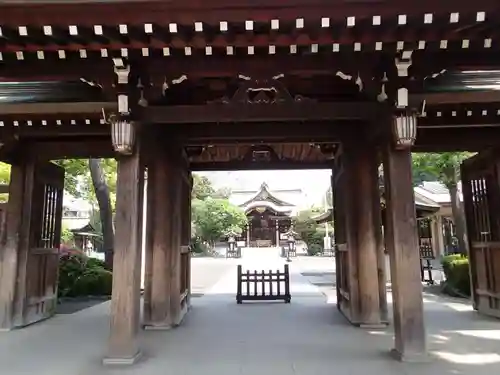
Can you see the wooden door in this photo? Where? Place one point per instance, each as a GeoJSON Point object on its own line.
{"type": "Point", "coordinates": [42, 260]}
{"type": "Point", "coordinates": [481, 190]}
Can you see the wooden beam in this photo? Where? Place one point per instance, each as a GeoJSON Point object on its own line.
{"type": "Point", "coordinates": [156, 68]}
{"type": "Point", "coordinates": [56, 108]}
{"type": "Point", "coordinates": [139, 13]}
{"type": "Point", "coordinates": [402, 245]}
{"type": "Point", "coordinates": [300, 111]}
{"type": "Point", "coordinates": [459, 139]}
{"type": "Point", "coordinates": [308, 131]}
{"type": "Point", "coordinates": [82, 148]}
{"type": "Point", "coordinates": [457, 97]}
{"type": "Point", "coordinates": [245, 166]}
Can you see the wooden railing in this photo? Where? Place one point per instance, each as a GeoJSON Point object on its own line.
{"type": "Point", "coordinates": [263, 286]}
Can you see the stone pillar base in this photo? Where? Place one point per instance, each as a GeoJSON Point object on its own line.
{"type": "Point", "coordinates": [157, 327]}
{"type": "Point", "coordinates": [410, 357]}
{"type": "Point", "coordinates": [122, 361]}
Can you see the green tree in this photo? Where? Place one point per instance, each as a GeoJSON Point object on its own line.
{"type": "Point", "coordinates": [202, 187]}
{"type": "Point", "coordinates": [309, 230]}
{"type": "Point", "coordinates": [4, 179]}
{"type": "Point", "coordinates": [445, 167]}
{"type": "Point", "coordinates": [95, 181]}
{"type": "Point", "coordinates": [216, 218]}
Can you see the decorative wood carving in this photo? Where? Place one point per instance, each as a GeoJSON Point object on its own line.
{"type": "Point", "coordinates": [261, 91]}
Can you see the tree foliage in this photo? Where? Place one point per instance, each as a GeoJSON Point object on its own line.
{"type": "Point", "coordinates": [4, 179]}
{"type": "Point", "coordinates": [78, 180]}
{"type": "Point", "coordinates": [309, 230]}
{"type": "Point", "coordinates": [202, 188]}
{"type": "Point", "coordinates": [445, 167]}
{"type": "Point", "coordinates": [216, 218]}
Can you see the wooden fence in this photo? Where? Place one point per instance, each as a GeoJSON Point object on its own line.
{"type": "Point", "coordinates": [263, 286]}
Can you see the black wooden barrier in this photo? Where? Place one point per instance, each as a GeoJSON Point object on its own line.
{"type": "Point", "coordinates": [426, 258]}
{"type": "Point", "coordinates": [278, 285]}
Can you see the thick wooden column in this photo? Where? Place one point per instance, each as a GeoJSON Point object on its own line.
{"type": "Point", "coordinates": [381, 256]}
{"type": "Point", "coordinates": [361, 169]}
{"type": "Point", "coordinates": [123, 347]}
{"type": "Point", "coordinates": [188, 237]}
{"type": "Point", "coordinates": [175, 242]}
{"type": "Point", "coordinates": [10, 256]}
{"type": "Point", "coordinates": [160, 174]}
{"type": "Point", "coordinates": [148, 244]}
{"type": "Point", "coordinates": [402, 245]}
{"type": "Point", "coordinates": [364, 216]}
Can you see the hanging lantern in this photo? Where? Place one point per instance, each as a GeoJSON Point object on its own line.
{"type": "Point", "coordinates": [405, 129]}
{"type": "Point", "coordinates": [123, 136]}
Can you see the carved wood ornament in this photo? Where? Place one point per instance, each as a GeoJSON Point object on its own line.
{"type": "Point", "coordinates": [261, 91]}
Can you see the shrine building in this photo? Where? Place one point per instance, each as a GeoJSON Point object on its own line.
{"type": "Point", "coordinates": [172, 87]}
{"type": "Point", "coordinates": [269, 214]}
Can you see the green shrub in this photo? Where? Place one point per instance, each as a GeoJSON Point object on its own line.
{"type": "Point", "coordinates": [314, 249]}
{"type": "Point", "coordinates": [94, 282]}
{"type": "Point", "coordinates": [456, 270]}
{"type": "Point", "coordinates": [80, 275]}
{"type": "Point", "coordinates": [96, 263]}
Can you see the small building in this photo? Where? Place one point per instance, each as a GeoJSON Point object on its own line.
{"type": "Point", "coordinates": [433, 209]}
{"type": "Point", "coordinates": [269, 213]}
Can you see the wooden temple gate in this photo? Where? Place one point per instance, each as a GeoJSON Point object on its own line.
{"type": "Point", "coordinates": [281, 84]}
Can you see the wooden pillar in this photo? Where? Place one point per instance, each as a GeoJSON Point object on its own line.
{"type": "Point", "coordinates": [148, 244]}
{"type": "Point", "coordinates": [363, 169]}
{"type": "Point", "coordinates": [188, 235]}
{"type": "Point", "coordinates": [348, 196]}
{"type": "Point", "coordinates": [125, 310]}
{"type": "Point", "coordinates": [175, 185]}
{"type": "Point", "coordinates": [157, 315]}
{"type": "Point", "coordinates": [381, 256]}
{"type": "Point", "coordinates": [402, 245]}
{"type": "Point", "coordinates": [15, 231]}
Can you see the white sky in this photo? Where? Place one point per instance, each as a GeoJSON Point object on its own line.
{"type": "Point", "coordinates": [314, 183]}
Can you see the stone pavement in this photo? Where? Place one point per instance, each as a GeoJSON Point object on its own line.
{"type": "Point", "coordinates": [220, 337]}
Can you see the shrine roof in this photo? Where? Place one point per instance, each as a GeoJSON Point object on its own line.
{"type": "Point", "coordinates": [285, 199]}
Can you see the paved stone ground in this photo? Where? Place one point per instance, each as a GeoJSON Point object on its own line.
{"type": "Point", "coordinates": [220, 337]}
{"type": "Point", "coordinates": [205, 272]}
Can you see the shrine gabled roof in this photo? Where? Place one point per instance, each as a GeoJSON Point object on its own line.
{"type": "Point", "coordinates": [264, 194]}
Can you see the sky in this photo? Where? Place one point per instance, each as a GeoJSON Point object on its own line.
{"type": "Point", "coordinates": [314, 183]}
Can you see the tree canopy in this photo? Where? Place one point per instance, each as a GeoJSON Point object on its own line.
{"type": "Point", "coordinates": [216, 218]}
{"type": "Point", "coordinates": [445, 167]}
{"type": "Point", "coordinates": [202, 187]}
